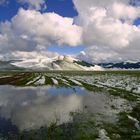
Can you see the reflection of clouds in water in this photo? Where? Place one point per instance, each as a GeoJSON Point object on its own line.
{"type": "Point", "coordinates": [44, 111]}
{"type": "Point", "coordinates": [35, 107]}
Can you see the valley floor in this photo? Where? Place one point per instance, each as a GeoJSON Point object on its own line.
{"type": "Point", "coordinates": [110, 104]}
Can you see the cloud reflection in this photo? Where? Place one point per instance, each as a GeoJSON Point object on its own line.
{"type": "Point", "coordinates": [31, 108]}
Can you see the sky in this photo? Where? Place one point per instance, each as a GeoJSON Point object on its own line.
{"type": "Point", "coordinates": [91, 30]}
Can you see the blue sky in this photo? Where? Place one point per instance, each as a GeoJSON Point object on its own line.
{"type": "Point", "coordinates": [67, 49]}
{"type": "Point", "coordinates": [66, 8]}
{"type": "Point", "coordinates": [137, 21]}
{"type": "Point", "coordinates": [62, 7]}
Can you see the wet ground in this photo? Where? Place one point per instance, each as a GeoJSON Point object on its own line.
{"type": "Point", "coordinates": [75, 106]}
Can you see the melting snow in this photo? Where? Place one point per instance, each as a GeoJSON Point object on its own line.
{"type": "Point", "coordinates": [135, 120]}
{"type": "Point", "coordinates": [76, 82]}
{"type": "Point", "coordinates": [54, 81]}
{"type": "Point", "coordinates": [103, 135]}
{"type": "Point", "coordinates": [32, 81]}
{"type": "Point", "coordinates": [41, 81]}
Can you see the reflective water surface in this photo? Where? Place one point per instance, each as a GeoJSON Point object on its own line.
{"type": "Point", "coordinates": [26, 108]}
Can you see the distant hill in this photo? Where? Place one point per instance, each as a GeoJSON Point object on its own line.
{"type": "Point", "coordinates": [121, 65]}
{"type": "Point", "coordinates": [59, 63]}
{"type": "Point", "coordinates": [63, 63]}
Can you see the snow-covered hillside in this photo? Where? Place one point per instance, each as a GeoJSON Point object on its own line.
{"type": "Point", "coordinates": [59, 63]}
{"type": "Point", "coordinates": [64, 63]}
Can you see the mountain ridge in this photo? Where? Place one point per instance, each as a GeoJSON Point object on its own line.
{"type": "Point", "coordinates": [59, 63]}
{"type": "Point", "coordinates": [64, 63]}
{"type": "Point", "coordinates": [121, 65]}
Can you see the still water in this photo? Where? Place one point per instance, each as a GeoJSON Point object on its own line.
{"type": "Point", "coordinates": [25, 108]}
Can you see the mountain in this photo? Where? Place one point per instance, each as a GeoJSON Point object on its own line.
{"type": "Point", "coordinates": [63, 63]}
{"type": "Point", "coordinates": [6, 65]}
{"type": "Point", "coordinates": [121, 65]}
{"type": "Point", "coordinates": [59, 63]}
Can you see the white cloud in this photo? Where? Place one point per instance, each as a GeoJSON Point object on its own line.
{"type": "Point", "coordinates": [34, 4]}
{"type": "Point", "coordinates": [104, 27]}
{"type": "Point", "coordinates": [123, 11]}
{"type": "Point", "coordinates": [25, 55]}
{"type": "Point", "coordinates": [108, 30]}
{"type": "Point", "coordinates": [31, 31]}
{"type": "Point", "coordinates": [46, 28]}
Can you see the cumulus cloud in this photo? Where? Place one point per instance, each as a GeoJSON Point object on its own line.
{"type": "Point", "coordinates": [34, 4]}
{"type": "Point", "coordinates": [25, 55]}
{"type": "Point", "coordinates": [125, 12]}
{"type": "Point", "coordinates": [108, 30]}
{"type": "Point", "coordinates": [31, 31]}
{"type": "Point", "coordinates": [46, 28]}
{"type": "Point", "coordinates": [105, 28]}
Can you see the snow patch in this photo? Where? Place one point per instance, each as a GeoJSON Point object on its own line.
{"type": "Point", "coordinates": [135, 120]}
{"type": "Point", "coordinates": [54, 81]}
{"type": "Point", "coordinates": [92, 68]}
{"type": "Point", "coordinates": [76, 82]}
{"type": "Point", "coordinates": [103, 135]}
{"type": "Point", "coordinates": [32, 81]}
{"type": "Point", "coordinates": [41, 81]}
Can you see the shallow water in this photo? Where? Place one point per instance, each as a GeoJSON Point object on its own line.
{"type": "Point", "coordinates": [26, 108]}
{"type": "Point", "coordinates": [33, 107]}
